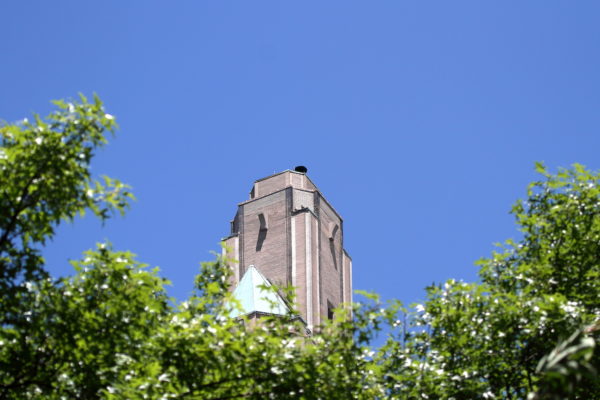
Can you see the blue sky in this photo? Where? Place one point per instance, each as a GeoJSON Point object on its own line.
{"type": "Point", "coordinates": [419, 121]}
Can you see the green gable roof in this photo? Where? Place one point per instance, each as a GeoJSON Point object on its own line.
{"type": "Point", "coordinates": [253, 298]}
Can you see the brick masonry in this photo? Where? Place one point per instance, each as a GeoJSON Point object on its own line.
{"type": "Point", "coordinates": [293, 236]}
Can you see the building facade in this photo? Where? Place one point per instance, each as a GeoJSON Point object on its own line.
{"type": "Point", "coordinates": [290, 233]}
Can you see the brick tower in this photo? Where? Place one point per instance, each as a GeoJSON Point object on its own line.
{"type": "Point", "coordinates": [292, 235]}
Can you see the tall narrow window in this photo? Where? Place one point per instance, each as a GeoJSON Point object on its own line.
{"type": "Point", "coordinates": [262, 219]}
{"type": "Point", "coordinates": [262, 230]}
{"type": "Point", "coordinates": [330, 313]}
{"type": "Point", "coordinates": [332, 234]}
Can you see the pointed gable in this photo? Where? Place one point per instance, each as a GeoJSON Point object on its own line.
{"type": "Point", "coordinates": [253, 298]}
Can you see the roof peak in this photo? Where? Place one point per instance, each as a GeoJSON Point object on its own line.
{"type": "Point", "coordinates": [254, 295]}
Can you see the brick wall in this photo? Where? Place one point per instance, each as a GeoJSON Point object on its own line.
{"type": "Point", "coordinates": [296, 243]}
{"type": "Point", "coordinates": [267, 251]}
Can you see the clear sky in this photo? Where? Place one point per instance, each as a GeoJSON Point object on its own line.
{"type": "Point", "coordinates": [419, 121]}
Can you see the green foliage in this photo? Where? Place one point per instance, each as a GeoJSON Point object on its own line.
{"type": "Point", "coordinates": [564, 368]}
{"type": "Point", "coordinates": [110, 331]}
{"type": "Point", "coordinates": [44, 179]}
{"type": "Point", "coordinates": [75, 332]}
{"type": "Point", "coordinates": [485, 340]}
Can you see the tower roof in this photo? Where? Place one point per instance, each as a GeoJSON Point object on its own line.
{"type": "Point", "coordinates": [279, 181]}
{"type": "Point", "coordinates": [253, 297]}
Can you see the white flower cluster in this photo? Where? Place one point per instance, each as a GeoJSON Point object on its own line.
{"type": "Point", "coordinates": [573, 308]}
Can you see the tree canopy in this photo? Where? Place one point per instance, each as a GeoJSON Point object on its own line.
{"type": "Point", "coordinates": [527, 329]}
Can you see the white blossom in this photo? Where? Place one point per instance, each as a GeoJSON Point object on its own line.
{"type": "Point", "coordinates": [276, 370]}
{"type": "Point", "coordinates": [163, 377]}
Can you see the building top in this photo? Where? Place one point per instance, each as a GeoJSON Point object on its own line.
{"type": "Point", "coordinates": [254, 298]}
{"type": "Point", "coordinates": [296, 179]}
{"type": "Point", "coordinates": [273, 183]}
